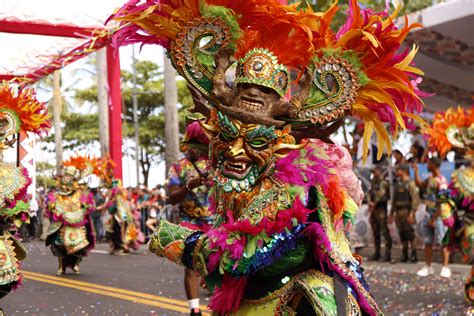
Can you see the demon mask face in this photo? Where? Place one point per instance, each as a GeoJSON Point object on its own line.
{"type": "Point", "coordinates": [67, 181]}
{"type": "Point", "coordinates": [244, 153]}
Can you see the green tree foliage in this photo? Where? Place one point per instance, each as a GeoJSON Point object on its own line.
{"type": "Point", "coordinates": [408, 6]}
{"type": "Point", "coordinates": [150, 97]}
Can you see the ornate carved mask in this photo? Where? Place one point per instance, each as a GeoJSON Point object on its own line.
{"type": "Point", "coordinates": [244, 153]}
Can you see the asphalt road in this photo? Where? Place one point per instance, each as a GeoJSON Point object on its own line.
{"type": "Point", "coordinates": [143, 284]}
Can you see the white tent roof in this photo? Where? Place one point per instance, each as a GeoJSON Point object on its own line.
{"type": "Point", "coordinates": [23, 51]}
{"type": "Point", "coordinates": [446, 52]}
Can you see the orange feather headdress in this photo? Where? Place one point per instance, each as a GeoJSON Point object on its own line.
{"type": "Point", "coordinates": [30, 114]}
{"type": "Point", "coordinates": [446, 127]}
{"type": "Point", "coordinates": [358, 70]}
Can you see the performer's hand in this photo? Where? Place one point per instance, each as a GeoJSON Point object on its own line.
{"type": "Point", "coordinates": [194, 183]}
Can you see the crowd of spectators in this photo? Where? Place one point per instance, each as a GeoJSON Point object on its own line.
{"type": "Point", "coordinates": [399, 200]}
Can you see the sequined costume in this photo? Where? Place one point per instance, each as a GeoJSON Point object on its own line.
{"type": "Point", "coordinates": [14, 206]}
{"type": "Point", "coordinates": [455, 129]}
{"type": "Point", "coordinates": [71, 234]}
{"type": "Point", "coordinates": [282, 202]}
{"type": "Point", "coordinates": [457, 211]}
{"type": "Point", "coordinates": [19, 111]}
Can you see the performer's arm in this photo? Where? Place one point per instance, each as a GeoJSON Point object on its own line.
{"type": "Point", "coordinates": [420, 183]}
{"type": "Point", "coordinates": [179, 192]}
{"type": "Point", "coordinates": [180, 245]}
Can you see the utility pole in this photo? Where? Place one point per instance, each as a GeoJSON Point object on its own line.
{"type": "Point", "coordinates": [135, 114]}
{"type": "Point", "coordinates": [171, 114]}
{"type": "Point", "coordinates": [58, 138]}
{"type": "Point", "coordinates": [102, 101]}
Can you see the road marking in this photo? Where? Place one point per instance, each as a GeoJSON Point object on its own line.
{"type": "Point", "coordinates": [105, 252]}
{"type": "Point", "coordinates": [137, 297]}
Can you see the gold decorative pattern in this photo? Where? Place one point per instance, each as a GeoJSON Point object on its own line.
{"type": "Point", "coordinates": [12, 181]}
{"type": "Point", "coordinates": [335, 86]}
{"type": "Point", "coordinates": [9, 271]}
{"type": "Point", "coordinates": [260, 66]}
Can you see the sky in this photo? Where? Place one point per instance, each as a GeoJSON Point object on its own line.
{"type": "Point", "coordinates": [24, 50]}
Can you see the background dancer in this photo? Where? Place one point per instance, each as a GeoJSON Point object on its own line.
{"type": "Point", "coordinates": [188, 185]}
{"type": "Point", "coordinates": [71, 233]}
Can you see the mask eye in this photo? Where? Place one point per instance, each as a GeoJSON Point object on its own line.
{"type": "Point", "coordinates": [258, 143]}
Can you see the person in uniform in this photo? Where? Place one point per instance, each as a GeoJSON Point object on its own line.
{"type": "Point", "coordinates": [379, 195]}
{"type": "Point", "coordinates": [405, 202]}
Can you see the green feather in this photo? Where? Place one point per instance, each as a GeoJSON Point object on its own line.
{"type": "Point", "coordinates": [353, 58]}
{"type": "Point", "coordinates": [227, 16]}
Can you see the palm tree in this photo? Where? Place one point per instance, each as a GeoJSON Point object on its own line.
{"type": "Point", "coordinates": [171, 114]}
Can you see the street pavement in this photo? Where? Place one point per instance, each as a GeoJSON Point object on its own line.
{"type": "Point", "coordinates": [143, 284]}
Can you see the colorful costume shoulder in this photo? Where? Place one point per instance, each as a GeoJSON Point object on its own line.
{"type": "Point", "coordinates": [282, 200]}
{"type": "Point", "coordinates": [19, 111]}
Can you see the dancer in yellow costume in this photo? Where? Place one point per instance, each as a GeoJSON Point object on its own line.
{"type": "Point", "coordinates": [71, 234]}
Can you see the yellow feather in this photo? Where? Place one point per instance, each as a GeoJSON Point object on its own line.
{"type": "Point", "coordinates": [348, 36]}
{"type": "Point", "coordinates": [414, 70]}
{"type": "Point", "coordinates": [416, 118]}
{"type": "Point", "coordinates": [371, 38]}
{"type": "Point", "coordinates": [383, 139]}
{"type": "Point", "coordinates": [393, 16]}
{"type": "Point", "coordinates": [408, 58]}
{"type": "Point", "coordinates": [380, 96]}
{"type": "Point", "coordinates": [368, 131]}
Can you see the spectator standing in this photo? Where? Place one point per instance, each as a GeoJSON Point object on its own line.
{"type": "Point", "coordinates": [433, 228]}
{"type": "Point", "coordinates": [378, 197]}
{"type": "Point", "coordinates": [399, 158]}
{"type": "Point", "coordinates": [96, 216]}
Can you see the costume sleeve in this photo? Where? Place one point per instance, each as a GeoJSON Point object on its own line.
{"type": "Point", "coordinates": [181, 245]}
{"type": "Point", "coordinates": [174, 178]}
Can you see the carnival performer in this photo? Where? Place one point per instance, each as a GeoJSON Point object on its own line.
{"type": "Point", "coordinates": [71, 234]}
{"type": "Point", "coordinates": [405, 203]}
{"type": "Point", "coordinates": [454, 129]}
{"type": "Point", "coordinates": [281, 202]}
{"type": "Point", "coordinates": [19, 112]}
{"type": "Point", "coordinates": [188, 185]}
{"type": "Point", "coordinates": [120, 228]}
